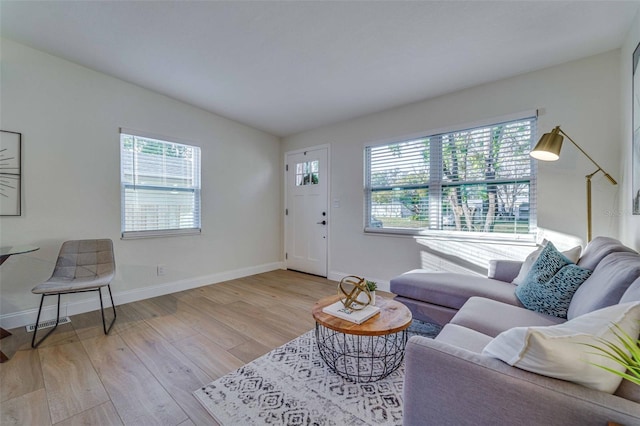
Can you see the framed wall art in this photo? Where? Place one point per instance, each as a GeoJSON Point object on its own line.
{"type": "Point", "coordinates": [635, 149]}
{"type": "Point", "coordinates": [10, 173]}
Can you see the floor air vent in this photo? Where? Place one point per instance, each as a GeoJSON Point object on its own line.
{"type": "Point", "coordinates": [47, 324]}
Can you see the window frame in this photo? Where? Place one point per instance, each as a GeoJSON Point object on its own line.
{"type": "Point", "coordinates": [437, 183]}
{"type": "Point", "coordinates": [196, 189]}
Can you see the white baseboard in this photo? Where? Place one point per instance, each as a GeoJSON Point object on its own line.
{"type": "Point", "coordinates": [69, 308]}
{"type": "Point", "coordinates": [337, 276]}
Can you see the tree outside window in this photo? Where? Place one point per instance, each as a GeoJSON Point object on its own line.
{"type": "Point", "coordinates": [477, 180]}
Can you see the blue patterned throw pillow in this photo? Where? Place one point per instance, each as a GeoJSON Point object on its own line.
{"type": "Point", "coordinates": [554, 296]}
{"type": "Point", "coordinates": [550, 284]}
{"type": "Point", "coordinates": [546, 265]}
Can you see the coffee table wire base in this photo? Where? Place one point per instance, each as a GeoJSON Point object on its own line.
{"type": "Point", "coordinates": [361, 359]}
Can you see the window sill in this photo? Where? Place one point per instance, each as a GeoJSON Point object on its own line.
{"type": "Point", "coordinates": [136, 235]}
{"type": "Point", "coordinates": [476, 237]}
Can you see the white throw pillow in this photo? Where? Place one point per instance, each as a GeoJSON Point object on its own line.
{"type": "Point", "coordinates": [572, 254]}
{"type": "Point", "coordinates": [559, 351]}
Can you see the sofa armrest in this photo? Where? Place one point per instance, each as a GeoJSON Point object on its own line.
{"type": "Point", "coordinates": [447, 385]}
{"type": "Point", "coordinates": [504, 270]}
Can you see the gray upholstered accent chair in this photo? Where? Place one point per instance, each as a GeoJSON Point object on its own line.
{"type": "Point", "coordinates": [82, 266]}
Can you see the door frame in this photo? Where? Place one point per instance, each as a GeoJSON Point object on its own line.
{"type": "Point", "coordinates": [286, 199]}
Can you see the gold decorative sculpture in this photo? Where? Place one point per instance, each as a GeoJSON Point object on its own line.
{"type": "Point", "coordinates": [354, 293]}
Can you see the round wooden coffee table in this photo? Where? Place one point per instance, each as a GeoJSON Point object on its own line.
{"type": "Point", "coordinates": [364, 352]}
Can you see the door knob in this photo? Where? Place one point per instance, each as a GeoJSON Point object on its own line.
{"type": "Point", "coordinates": [324, 222]}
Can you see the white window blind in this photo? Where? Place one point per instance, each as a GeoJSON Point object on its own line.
{"type": "Point", "coordinates": [478, 180]}
{"type": "Point", "coordinates": [160, 185]}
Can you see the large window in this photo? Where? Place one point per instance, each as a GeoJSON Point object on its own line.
{"type": "Point", "coordinates": [477, 180]}
{"type": "Point", "coordinates": [160, 184]}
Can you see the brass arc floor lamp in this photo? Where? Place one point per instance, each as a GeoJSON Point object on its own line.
{"type": "Point", "coordinates": [548, 149]}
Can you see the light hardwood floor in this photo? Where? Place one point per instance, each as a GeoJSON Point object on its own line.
{"type": "Point", "coordinates": [159, 351]}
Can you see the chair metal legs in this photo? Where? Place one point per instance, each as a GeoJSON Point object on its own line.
{"type": "Point", "coordinates": [106, 330]}
{"type": "Point", "coordinates": [35, 330]}
{"type": "Point", "coordinates": [104, 326]}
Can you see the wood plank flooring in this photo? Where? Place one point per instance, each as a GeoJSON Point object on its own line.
{"type": "Point", "coordinates": [159, 351]}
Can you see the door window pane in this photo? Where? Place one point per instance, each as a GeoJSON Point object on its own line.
{"type": "Point", "coordinates": [307, 173]}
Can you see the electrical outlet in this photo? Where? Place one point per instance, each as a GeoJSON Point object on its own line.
{"type": "Point", "coordinates": [160, 270]}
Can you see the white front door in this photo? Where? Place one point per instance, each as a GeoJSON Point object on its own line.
{"type": "Point", "coordinates": [306, 211]}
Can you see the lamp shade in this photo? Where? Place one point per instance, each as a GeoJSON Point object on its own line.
{"type": "Point", "coordinates": [549, 146]}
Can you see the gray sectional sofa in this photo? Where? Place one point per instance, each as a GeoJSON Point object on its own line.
{"type": "Point", "coordinates": [450, 381]}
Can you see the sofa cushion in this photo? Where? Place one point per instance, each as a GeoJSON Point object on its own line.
{"type": "Point", "coordinates": [553, 297]}
{"type": "Point", "coordinates": [606, 285]}
{"type": "Point", "coordinates": [628, 390]}
{"type": "Point", "coordinates": [572, 254]}
{"type": "Point", "coordinates": [504, 269]}
{"type": "Point", "coordinates": [561, 351]}
{"type": "Point", "coordinates": [598, 249]}
{"type": "Point", "coordinates": [463, 337]}
{"type": "Point", "coordinates": [633, 293]}
{"type": "Point", "coordinates": [449, 289]}
{"type": "Point", "coordinates": [491, 317]}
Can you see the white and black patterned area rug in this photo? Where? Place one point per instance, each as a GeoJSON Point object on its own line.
{"type": "Point", "coordinates": [292, 385]}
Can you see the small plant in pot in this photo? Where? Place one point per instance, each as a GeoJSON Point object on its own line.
{"type": "Point", "coordinates": [372, 286]}
{"type": "Point", "coordinates": [366, 294]}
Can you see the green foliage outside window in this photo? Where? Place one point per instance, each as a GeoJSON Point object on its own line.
{"type": "Point", "coordinates": [475, 180]}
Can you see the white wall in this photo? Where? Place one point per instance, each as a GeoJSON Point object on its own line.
{"type": "Point", "coordinates": [69, 117]}
{"type": "Point", "coordinates": [583, 96]}
{"type": "Point", "coordinates": [629, 224]}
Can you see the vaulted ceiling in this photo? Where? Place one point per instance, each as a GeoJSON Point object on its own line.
{"type": "Point", "coordinates": [290, 66]}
